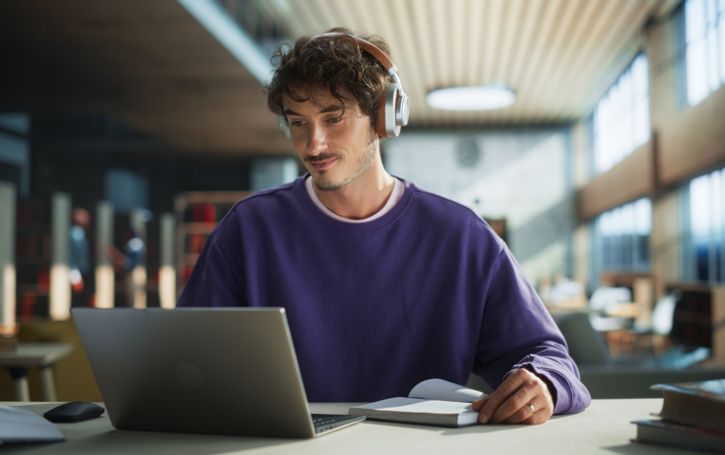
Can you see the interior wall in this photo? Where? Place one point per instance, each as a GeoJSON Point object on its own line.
{"type": "Point", "coordinates": [665, 241]}
{"type": "Point", "coordinates": [666, 236]}
{"type": "Point", "coordinates": [630, 179]}
{"type": "Point", "coordinates": [662, 56]}
{"type": "Point", "coordinates": [581, 246]}
{"type": "Point", "coordinates": [693, 143]}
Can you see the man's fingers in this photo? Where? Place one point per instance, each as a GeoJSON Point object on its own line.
{"type": "Point", "coordinates": [538, 417]}
{"type": "Point", "coordinates": [516, 407]}
{"type": "Point", "coordinates": [526, 413]}
{"type": "Point", "coordinates": [478, 404]}
{"type": "Point", "coordinates": [501, 394]}
{"type": "Point", "coordinates": [522, 398]}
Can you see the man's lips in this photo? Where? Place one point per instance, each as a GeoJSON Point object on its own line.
{"type": "Point", "coordinates": [322, 162]}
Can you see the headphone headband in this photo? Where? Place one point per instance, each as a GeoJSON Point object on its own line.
{"type": "Point", "coordinates": [367, 46]}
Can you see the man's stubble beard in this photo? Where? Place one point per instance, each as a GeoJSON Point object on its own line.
{"type": "Point", "coordinates": [364, 164]}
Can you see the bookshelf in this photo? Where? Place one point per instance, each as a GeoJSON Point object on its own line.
{"type": "Point", "coordinates": [699, 318]}
{"type": "Point", "coordinates": [33, 256]}
{"type": "Point", "coordinates": [42, 259]}
{"type": "Point", "coordinates": [197, 214]}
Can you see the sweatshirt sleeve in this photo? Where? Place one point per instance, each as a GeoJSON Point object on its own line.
{"type": "Point", "coordinates": [518, 332]}
{"type": "Point", "coordinates": [216, 279]}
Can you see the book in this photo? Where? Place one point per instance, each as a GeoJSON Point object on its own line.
{"type": "Point", "coordinates": [430, 402]}
{"type": "Point", "coordinates": [676, 435]}
{"type": "Point", "coordinates": [700, 404]}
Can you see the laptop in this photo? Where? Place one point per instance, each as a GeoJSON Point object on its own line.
{"type": "Point", "coordinates": [200, 370]}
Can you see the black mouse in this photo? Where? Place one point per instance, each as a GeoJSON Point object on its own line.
{"type": "Point", "coordinates": [74, 411]}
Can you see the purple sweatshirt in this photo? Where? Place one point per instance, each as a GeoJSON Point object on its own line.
{"type": "Point", "coordinates": [426, 291]}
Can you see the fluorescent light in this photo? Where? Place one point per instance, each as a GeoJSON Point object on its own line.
{"type": "Point", "coordinates": [232, 36]}
{"type": "Point", "coordinates": [471, 98]}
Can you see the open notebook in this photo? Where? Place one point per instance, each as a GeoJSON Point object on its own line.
{"type": "Point", "coordinates": [431, 402]}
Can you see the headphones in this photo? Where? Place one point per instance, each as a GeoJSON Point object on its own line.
{"type": "Point", "coordinates": [392, 109]}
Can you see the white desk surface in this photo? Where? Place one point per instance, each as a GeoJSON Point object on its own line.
{"type": "Point", "coordinates": [604, 428]}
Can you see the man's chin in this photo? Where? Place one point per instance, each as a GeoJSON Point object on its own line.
{"type": "Point", "coordinates": [326, 185]}
{"type": "Point", "coordinates": [323, 181]}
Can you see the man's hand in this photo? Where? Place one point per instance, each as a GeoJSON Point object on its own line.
{"type": "Point", "coordinates": [522, 398]}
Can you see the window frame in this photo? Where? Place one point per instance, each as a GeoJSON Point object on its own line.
{"type": "Point", "coordinates": [620, 104]}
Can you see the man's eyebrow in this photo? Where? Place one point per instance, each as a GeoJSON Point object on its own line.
{"type": "Point", "coordinates": [332, 108]}
{"type": "Point", "coordinates": [324, 110]}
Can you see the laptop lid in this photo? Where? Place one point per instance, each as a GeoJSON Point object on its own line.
{"type": "Point", "coordinates": [197, 370]}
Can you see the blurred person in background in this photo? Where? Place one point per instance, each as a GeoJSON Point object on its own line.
{"type": "Point", "coordinates": [80, 263]}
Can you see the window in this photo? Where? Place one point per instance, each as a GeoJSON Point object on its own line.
{"type": "Point", "coordinates": [126, 190]}
{"type": "Point", "coordinates": [622, 237]}
{"type": "Point", "coordinates": [705, 246]}
{"type": "Point", "coordinates": [620, 122]}
{"type": "Point", "coordinates": [704, 42]}
{"type": "Point", "coordinates": [15, 151]}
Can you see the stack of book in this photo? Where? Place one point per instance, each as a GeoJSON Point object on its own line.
{"type": "Point", "coordinates": [692, 417]}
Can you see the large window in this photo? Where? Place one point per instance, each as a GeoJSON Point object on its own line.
{"type": "Point", "coordinates": [704, 41]}
{"type": "Point", "coordinates": [620, 122]}
{"type": "Point", "coordinates": [622, 237]}
{"type": "Point", "coordinates": [705, 245]}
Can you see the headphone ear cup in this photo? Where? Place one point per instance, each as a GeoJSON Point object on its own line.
{"type": "Point", "coordinates": [402, 111]}
{"type": "Point", "coordinates": [381, 121]}
{"type": "Point", "coordinates": [392, 128]}
{"type": "Point", "coordinates": [284, 126]}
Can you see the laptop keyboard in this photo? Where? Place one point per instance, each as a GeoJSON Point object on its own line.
{"type": "Point", "coordinates": [325, 422]}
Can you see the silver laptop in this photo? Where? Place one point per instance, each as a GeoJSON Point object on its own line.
{"type": "Point", "coordinates": [200, 370]}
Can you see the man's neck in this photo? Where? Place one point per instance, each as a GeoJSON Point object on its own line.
{"type": "Point", "coordinates": [361, 198]}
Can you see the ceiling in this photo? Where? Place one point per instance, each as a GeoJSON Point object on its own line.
{"type": "Point", "coordinates": [152, 66]}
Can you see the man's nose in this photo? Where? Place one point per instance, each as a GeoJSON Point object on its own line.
{"type": "Point", "coordinates": [316, 140]}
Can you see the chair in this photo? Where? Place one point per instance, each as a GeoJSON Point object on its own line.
{"type": "Point", "coordinates": [630, 377]}
{"type": "Point", "coordinates": [602, 300]}
{"type": "Point", "coordinates": [658, 328]}
{"type": "Point", "coordinates": [586, 345]}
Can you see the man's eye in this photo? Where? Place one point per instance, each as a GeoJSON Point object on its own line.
{"type": "Point", "coordinates": [296, 123]}
{"type": "Point", "coordinates": [334, 119]}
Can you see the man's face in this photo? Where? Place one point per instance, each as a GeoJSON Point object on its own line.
{"type": "Point", "coordinates": [334, 140]}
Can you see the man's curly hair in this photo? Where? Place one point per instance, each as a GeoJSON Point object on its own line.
{"type": "Point", "coordinates": [332, 64]}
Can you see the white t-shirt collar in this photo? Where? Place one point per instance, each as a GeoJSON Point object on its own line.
{"type": "Point", "coordinates": [395, 196]}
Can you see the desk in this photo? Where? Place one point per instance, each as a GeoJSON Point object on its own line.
{"type": "Point", "coordinates": [604, 428]}
{"type": "Point", "coordinates": [34, 355]}
{"type": "Point", "coordinates": [625, 310]}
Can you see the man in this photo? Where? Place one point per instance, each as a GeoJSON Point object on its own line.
{"type": "Point", "coordinates": [384, 284]}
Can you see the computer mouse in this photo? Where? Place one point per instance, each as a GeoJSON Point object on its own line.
{"type": "Point", "coordinates": [74, 411]}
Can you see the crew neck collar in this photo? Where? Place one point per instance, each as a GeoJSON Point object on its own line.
{"type": "Point", "coordinates": [307, 202]}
